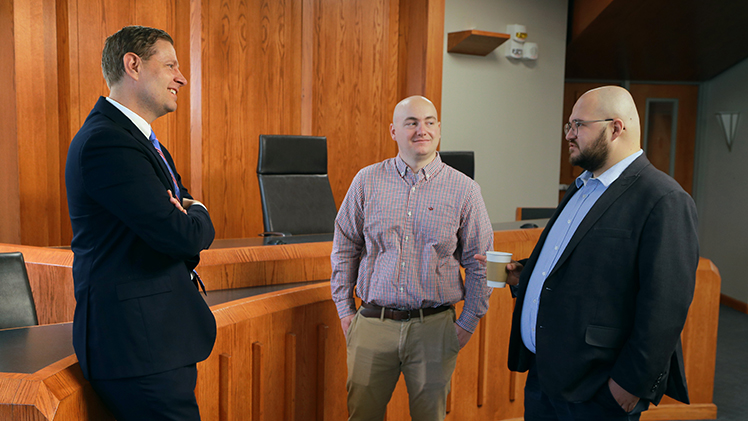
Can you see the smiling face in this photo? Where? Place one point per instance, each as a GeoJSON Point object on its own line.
{"type": "Point", "coordinates": [416, 129]}
{"type": "Point", "coordinates": [159, 81]}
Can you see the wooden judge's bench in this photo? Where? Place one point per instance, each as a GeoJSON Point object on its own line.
{"type": "Point", "coordinates": [280, 353]}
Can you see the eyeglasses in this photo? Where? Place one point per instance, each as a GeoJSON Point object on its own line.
{"type": "Point", "coordinates": [574, 124]}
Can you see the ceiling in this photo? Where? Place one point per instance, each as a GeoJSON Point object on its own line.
{"type": "Point", "coordinates": [657, 40]}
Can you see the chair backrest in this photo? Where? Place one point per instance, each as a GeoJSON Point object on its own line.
{"type": "Point", "coordinates": [17, 307]}
{"type": "Point", "coordinates": [294, 188]}
{"type": "Point", "coordinates": [533, 213]}
{"type": "Point", "coordinates": [463, 161]}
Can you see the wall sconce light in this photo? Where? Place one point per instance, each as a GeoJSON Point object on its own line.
{"type": "Point", "coordinates": [729, 124]}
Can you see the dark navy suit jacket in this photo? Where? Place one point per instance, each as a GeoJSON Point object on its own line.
{"type": "Point", "coordinates": [137, 310]}
{"type": "Point", "coordinates": [616, 301]}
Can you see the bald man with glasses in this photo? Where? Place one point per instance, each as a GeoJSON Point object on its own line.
{"type": "Point", "coordinates": [603, 298]}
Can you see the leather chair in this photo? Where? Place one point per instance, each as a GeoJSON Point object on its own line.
{"type": "Point", "coordinates": [533, 213]}
{"type": "Point", "coordinates": [463, 161]}
{"type": "Point", "coordinates": [17, 307]}
{"type": "Point", "coordinates": [294, 187]}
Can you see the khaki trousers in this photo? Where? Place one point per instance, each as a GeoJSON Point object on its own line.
{"type": "Point", "coordinates": [424, 350]}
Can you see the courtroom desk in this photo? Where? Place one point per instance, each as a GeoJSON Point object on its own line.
{"type": "Point", "coordinates": [269, 241]}
{"type": "Point", "coordinates": [228, 264]}
{"type": "Point", "coordinates": [29, 349]}
{"type": "Point", "coordinates": [281, 355]}
{"type": "Point", "coordinates": [51, 278]}
{"type": "Point", "coordinates": [249, 262]}
{"type": "Point", "coordinates": [516, 225]}
{"type": "Point", "coordinates": [40, 377]}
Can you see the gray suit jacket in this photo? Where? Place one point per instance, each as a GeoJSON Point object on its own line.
{"type": "Point", "coordinates": [616, 301]}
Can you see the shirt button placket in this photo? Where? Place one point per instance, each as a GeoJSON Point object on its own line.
{"type": "Point", "coordinates": [406, 248]}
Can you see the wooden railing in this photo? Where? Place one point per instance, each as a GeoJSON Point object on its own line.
{"type": "Point", "coordinates": [281, 356]}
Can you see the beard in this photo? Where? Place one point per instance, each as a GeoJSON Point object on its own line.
{"type": "Point", "coordinates": [594, 157]}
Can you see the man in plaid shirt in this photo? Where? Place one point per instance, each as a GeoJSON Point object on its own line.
{"type": "Point", "coordinates": [403, 230]}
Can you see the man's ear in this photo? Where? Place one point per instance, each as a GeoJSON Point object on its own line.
{"type": "Point", "coordinates": [618, 128]}
{"type": "Point", "coordinates": [132, 65]}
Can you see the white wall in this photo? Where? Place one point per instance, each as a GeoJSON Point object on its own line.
{"type": "Point", "coordinates": [722, 180]}
{"type": "Point", "coordinates": [509, 112]}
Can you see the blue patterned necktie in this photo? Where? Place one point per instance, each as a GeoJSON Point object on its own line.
{"type": "Point", "coordinates": [158, 149]}
{"type": "Point", "coordinates": [195, 277]}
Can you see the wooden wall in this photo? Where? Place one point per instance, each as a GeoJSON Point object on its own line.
{"type": "Point", "coordinates": [10, 213]}
{"type": "Point", "coordinates": [334, 68]}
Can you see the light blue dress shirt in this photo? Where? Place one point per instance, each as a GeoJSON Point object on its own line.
{"type": "Point", "coordinates": [590, 190]}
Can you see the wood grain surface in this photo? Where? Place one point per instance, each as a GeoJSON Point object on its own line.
{"type": "Point", "coordinates": [281, 355]}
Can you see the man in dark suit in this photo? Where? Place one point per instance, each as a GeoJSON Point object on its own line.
{"type": "Point", "coordinates": [602, 300]}
{"type": "Point", "coordinates": [140, 323]}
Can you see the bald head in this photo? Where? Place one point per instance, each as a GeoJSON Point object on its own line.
{"type": "Point", "coordinates": [608, 129]}
{"type": "Point", "coordinates": [614, 102]}
{"type": "Point", "coordinates": [403, 108]}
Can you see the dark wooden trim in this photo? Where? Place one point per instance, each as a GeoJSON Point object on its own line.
{"type": "Point", "coordinates": [733, 303]}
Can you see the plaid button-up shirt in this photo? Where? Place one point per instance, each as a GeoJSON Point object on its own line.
{"type": "Point", "coordinates": [400, 238]}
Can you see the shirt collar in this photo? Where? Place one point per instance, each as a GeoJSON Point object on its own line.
{"type": "Point", "coordinates": [612, 174]}
{"type": "Point", "coordinates": [430, 169]}
{"type": "Point", "coordinates": [137, 120]}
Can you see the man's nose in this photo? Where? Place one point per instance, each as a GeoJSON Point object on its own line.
{"type": "Point", "coordinates": [180, 78]}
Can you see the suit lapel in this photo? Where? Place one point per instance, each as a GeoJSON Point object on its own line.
{"type": "Point", "coordinates": [629, 176]}
{"type": "Point", "coordinates": [110, 111]}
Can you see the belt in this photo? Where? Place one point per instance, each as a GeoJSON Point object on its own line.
{"type": "Point", "coordinates": [371, 310]}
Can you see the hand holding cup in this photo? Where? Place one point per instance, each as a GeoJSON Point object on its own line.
{"type": "Point", "coordinates": [496, 262]}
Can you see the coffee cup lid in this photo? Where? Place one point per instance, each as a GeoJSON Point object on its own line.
{"type": "Point", "coordinates": [498, 256]}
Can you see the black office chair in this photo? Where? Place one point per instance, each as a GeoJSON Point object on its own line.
{"type": "Point", "coordinates": [533, 213]}
{"type": "Point", "coordinates": [17, 307]}
{"type": "Point", "coordinates": [463, 161]}
{"type": "Point", "coordinates": [294, 188]}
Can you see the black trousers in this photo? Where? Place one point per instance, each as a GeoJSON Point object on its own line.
{"type": "Point", "coordinates": [602, 406]}
{"type": "Point", "coordinates": [162, 396]}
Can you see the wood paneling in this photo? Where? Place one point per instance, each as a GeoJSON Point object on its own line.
{"type": "Point", "coordinates": [55, 48]}
{"type": "Point", "coordinates": [37, 121]}
{"type": "Point", "coordinates": [354, 92]}
{"type": "Point", "coordinates": [421, 45]}
{"type": "Point", "coordinates": [10, 218]}
{"type": "Point", "coordinates": [323, 67]}
{"type": "Point", "coordinates": [250, 86]}
{"type": "Point", "coordinates": [687, 97]}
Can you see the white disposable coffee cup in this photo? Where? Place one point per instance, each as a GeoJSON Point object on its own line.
{"type": "Point", "coordinates": [496, 262]}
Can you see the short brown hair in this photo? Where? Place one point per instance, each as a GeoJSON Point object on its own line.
{"type": "Point", "coordinates": [130, 39]}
